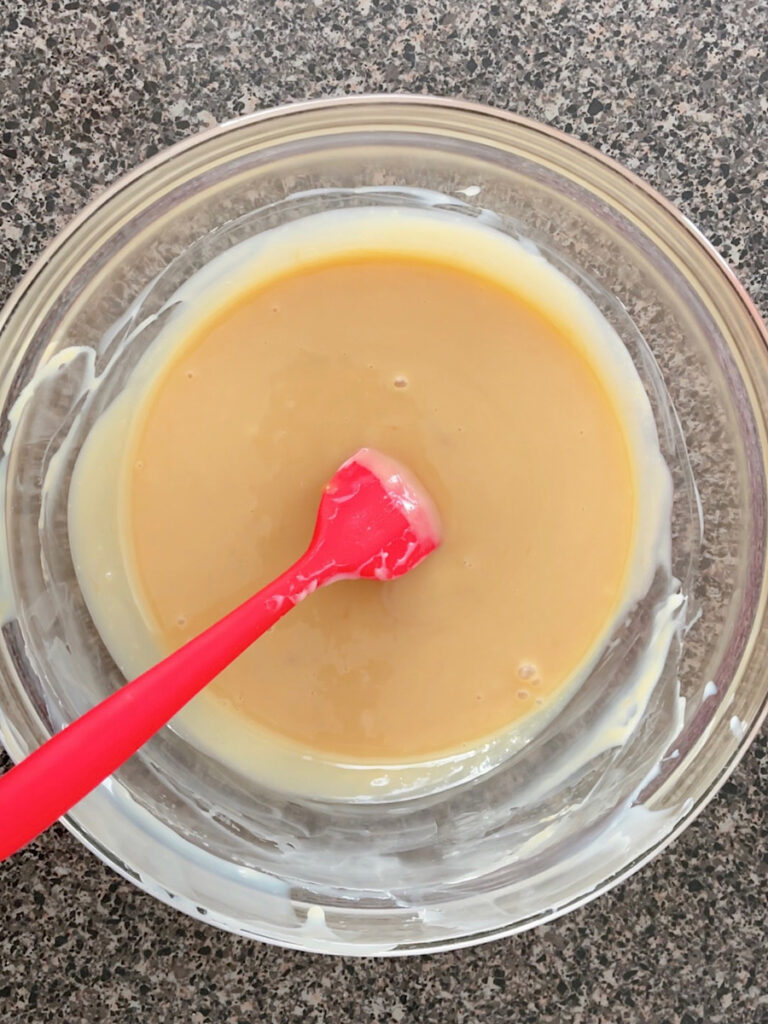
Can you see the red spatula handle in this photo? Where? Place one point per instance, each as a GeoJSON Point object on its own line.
{"type": "Point", "coordinates": [66, 768]}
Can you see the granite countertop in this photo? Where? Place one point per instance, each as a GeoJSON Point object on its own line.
{"type": "Point", "coordinates": [675, 89]}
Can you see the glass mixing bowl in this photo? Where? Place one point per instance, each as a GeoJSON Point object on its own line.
{"type": "Point", "coordinates": [528, 840]}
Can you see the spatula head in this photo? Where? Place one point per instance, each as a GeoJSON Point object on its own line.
{"type": "Point", "coordinates": [376, 521]}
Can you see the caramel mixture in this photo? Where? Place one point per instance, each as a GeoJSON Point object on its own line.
{"type": "Point", "coordinates": [499, 415]}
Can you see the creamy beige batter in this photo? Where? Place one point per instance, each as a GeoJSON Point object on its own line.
{"type": "Point", "coordinates": [493, 379]}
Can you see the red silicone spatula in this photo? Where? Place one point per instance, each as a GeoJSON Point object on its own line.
{"type": "Point", "coordinates": [375, 522]}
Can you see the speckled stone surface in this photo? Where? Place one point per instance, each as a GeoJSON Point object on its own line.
{"type": "Point", "coordinates": [678, 91]}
